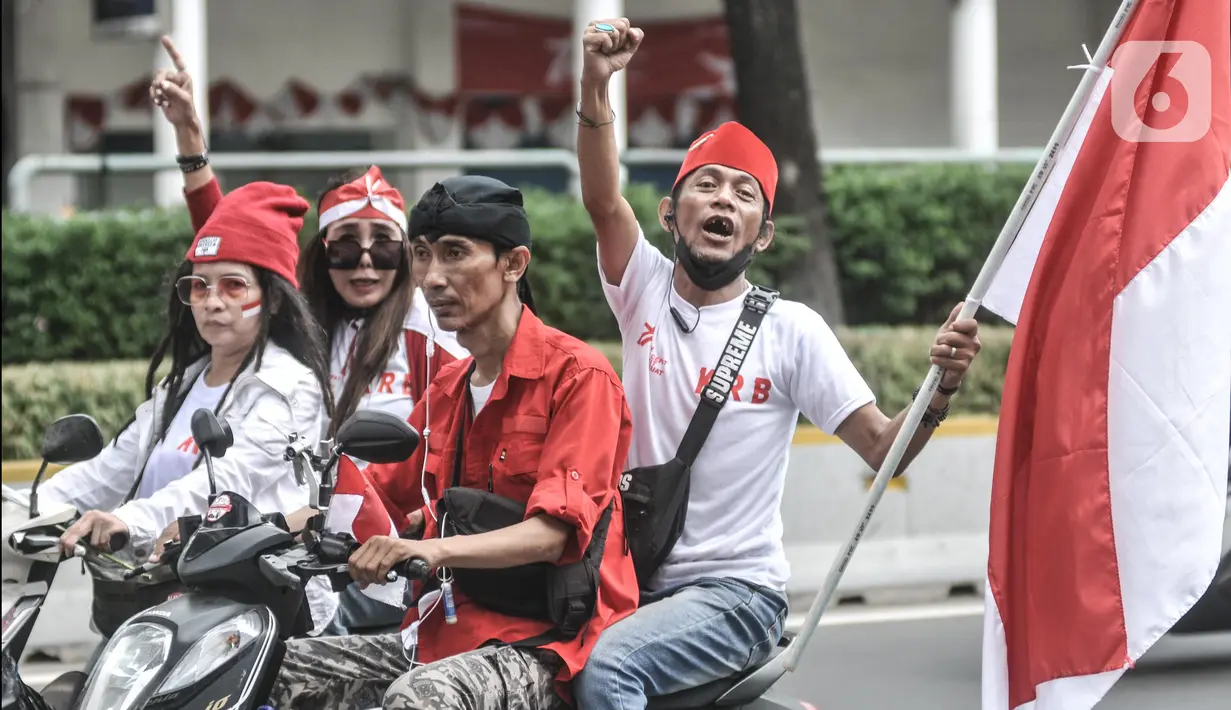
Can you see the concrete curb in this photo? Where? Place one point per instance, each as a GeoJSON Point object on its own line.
{"type": "Point", "coordinates": [24, 470]}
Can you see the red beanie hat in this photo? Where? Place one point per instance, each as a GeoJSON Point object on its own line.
{"type": "Point", "coordinates": [257, 224]}
{"type": "Point", "coordinates": [734, 146]}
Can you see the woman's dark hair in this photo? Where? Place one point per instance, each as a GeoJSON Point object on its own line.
{"type": "Point", "coordinates": [382, 327]}
{"type": "Point", "coordinates": [285, 321]}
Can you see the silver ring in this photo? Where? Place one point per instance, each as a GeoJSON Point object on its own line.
{"type": "Point", "coordinates": [952, 351]}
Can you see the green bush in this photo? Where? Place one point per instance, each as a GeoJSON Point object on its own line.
{"type": "Point", "coordinates": [892, 360]}
{"type": "Point", "coordinates": [909, 241]}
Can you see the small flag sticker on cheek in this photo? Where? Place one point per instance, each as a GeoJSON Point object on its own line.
{"type": "Point", "coordinates": [208, 246]}
{"type": "Point", "coordinates": [252, 309]}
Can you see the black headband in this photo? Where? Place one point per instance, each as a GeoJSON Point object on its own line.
{"type": "Point", "coordinates": [472, 206]}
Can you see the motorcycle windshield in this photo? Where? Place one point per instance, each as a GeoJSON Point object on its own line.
{"type": "Point", "coordinates": [231, 510]}
{"type": "Point", "coordinates": [227, 516]}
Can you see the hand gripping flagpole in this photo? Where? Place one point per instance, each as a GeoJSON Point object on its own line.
{"type": "Point", "coordinates": [788, 660]}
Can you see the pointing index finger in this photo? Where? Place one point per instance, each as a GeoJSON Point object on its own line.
{"type": "Point", "coordinates": [172, 52]}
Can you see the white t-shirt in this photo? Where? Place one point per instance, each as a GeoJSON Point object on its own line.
{"type": "Point", "coordinates": [734, 523]}
{"type": "Point", "coordinates": [480, 395]}
{"type": "Point", "coordinates": [176, 454]}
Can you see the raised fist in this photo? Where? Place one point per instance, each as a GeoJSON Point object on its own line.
{"type": "Point", "coordinates": [607, 46]}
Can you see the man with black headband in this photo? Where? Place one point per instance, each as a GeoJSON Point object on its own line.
{"type": "Point", "coordinates": [716, 372]}
{"type": "Point", "coordinates": [516, 485]}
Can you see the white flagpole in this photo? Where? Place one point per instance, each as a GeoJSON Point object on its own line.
{"type": "Point", "coordinates": [790, 657]}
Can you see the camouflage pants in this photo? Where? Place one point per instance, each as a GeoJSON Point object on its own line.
{"type": "Point", "coordinates": [362, 672]}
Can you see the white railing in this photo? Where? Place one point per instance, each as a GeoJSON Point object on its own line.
{"type": "Point", "coordinates": [28, 168]}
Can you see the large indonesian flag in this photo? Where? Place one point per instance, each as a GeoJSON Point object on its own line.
{"type": "Point", "coordinates": [1110, 479]}
{"type": "Point", "coordinates": [358, 508]}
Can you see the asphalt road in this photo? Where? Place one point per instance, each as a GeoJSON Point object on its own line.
{"type": "Point", "coordinates": [935, 663]}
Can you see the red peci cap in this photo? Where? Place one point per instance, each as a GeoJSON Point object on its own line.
{"type": "Point", "coordinates": [734, 146]}
{"type": "Point", "coordinates": [257, 224]}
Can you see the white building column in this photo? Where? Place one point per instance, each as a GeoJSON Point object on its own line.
{"type": "Point", "coordinates": [973, 67]}
{"type": "Point", "coordinates": [585, 12]}
{"type": "Point", "coordinates": [190, 32]}
{"type": "Point", "coordinates": [430, 54]}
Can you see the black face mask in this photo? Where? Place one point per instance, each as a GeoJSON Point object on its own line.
{"type": "Point", "coordinates": [712, 275]}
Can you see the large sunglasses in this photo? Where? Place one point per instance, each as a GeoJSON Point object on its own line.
{"type": "Point", "coordinates": [193, 290]}
{"type": "Point", "coordinates": [345, 254]}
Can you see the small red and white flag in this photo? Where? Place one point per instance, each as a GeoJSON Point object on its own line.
{"type": "Point", "coordinates": [357, 507]}
{"type": "Point", "coordinates": [1110, 481]}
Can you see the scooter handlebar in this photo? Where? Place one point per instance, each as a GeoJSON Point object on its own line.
{"type": "Point", "coordinates": [118, 541]}
{"type": "Point", "coordinates": [414, 569]}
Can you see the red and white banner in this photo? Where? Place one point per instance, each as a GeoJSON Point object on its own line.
{"type": "Point", "coordinates": [1110, 480]}
{"type": "Point", "coordinates": [358, 508]}
{"type": "Point", "coordinates": [515, 88]}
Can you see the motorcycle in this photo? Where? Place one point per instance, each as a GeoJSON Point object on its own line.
{"type": "Point", "coordinates": [29, 575]}
{"type": "Point", "coordinates": [220, 643]}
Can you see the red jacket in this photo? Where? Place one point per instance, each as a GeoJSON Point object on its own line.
{"type": "Point", "coordinates": [555, 433]}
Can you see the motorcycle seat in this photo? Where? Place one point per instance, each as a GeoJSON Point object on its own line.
{"type": "Point", "coordinates": [705, 695]}
{"type": "Point", "coordinates": [62, 693]}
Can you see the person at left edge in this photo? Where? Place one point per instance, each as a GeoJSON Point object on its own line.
{"type": "Point", "coordinates": [242, 344]}
{"type": "Point", "coordinates": [543, 422]}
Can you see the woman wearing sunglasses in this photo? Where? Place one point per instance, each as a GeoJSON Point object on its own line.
{"type": "Point", "coordinates": [242, 344]}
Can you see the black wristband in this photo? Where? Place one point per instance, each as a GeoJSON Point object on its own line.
{"type": "Point", "coordinates": [948, 391]}
{"type": "Point", "coordinates": [588, 122]}
{"type": "Point", "coordinates": [192, 163]}
{"type": "Point", "coordinates": [932, 417]}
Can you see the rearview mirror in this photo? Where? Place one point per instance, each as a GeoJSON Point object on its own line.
{"type": "Point", "coordinates": [67, 440]}
{"type": "Point", "coordinates": [377, 437]}
{"type": "Point", "coordinates": [72, 439]}
{"type": "Point", "coordinates": [210, 434]}
{"type": "Point", "coordinates": [214, 438]}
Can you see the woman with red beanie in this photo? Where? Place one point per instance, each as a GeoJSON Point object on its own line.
{"type": "Point", "coordinates": [243, 344]}
{"type": "Point", "coordinates": [384, 344]}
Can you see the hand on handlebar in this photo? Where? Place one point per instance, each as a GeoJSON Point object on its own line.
{"type": "Point", "coordinates": [169, 536]}
{"type": "Point", "coordinates": [380, 555]}
{"type": "Point", "coordinates": [97, 529]}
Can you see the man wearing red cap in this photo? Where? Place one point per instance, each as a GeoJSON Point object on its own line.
{"type": "Point", "coordinates": [716, 372]}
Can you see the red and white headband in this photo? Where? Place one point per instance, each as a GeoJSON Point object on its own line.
{"type": "Point", "coordinates": [368, 197]}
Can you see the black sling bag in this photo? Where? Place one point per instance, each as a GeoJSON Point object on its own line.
{"type": "Point", "coordinates": [565, 595]}
{"type": "Point", "coordinates": [656, 497]}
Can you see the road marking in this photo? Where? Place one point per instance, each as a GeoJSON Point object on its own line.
{"type": "Point", "coordinates": [844, 617]}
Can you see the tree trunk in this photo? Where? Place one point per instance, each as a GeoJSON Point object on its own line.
{"type": "Point", "coordinates": [773, 102]}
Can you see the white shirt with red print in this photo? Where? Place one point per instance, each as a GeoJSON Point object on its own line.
{"type": "Point", "coordinates": [176, 455]}
{"type": "Point", "coordinates": [733, 526]}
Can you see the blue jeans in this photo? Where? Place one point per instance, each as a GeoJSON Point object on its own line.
{"type": "Point", "coordinates": [679, 639]}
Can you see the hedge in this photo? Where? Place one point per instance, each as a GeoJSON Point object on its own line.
{"type": "Point", "coordinates": [892, 360]}
{"type": "Point", "coordinates": [909, 241]}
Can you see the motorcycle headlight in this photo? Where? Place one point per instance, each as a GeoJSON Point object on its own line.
{"type": "Point", "coordinates": [129, 664]}
{"type": "Point", "coordinates": [222, 643]}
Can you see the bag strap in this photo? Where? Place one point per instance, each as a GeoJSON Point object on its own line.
{"type": "Point", "coordinates": [467, 414]}
{"type": "Point", "coordinates": [716, 391]}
